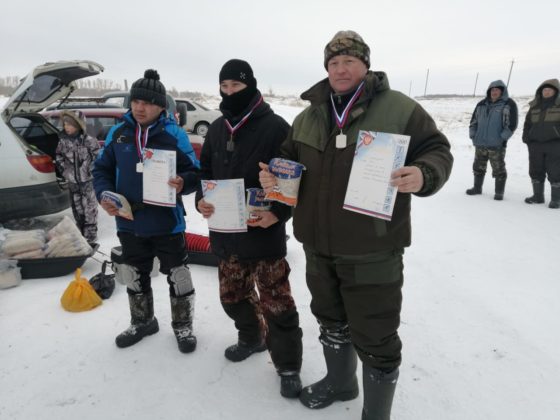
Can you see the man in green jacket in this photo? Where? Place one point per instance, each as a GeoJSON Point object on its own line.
{"type": "Point", "coordinates": [354, 262]}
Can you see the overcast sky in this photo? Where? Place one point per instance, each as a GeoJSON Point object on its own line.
{"type": "Point", "coordinates": [283, 40]}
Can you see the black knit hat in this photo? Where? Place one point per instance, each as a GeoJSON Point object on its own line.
{"type": "Point", "coordinates": [149, 89]}
{"type": "Point", "coordinates": [238, 70]}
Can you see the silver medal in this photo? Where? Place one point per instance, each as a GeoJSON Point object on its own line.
{"type": "Point", "coordinates": [341, 141]}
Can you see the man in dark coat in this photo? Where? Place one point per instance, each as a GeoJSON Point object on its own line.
{"type": "Point", "coordinates": [247, 133]}
{"type": "Point", "coordinates": [354, 262]}
{"type": "Point", "coordinates": [541, 133]}
{"type": "Point", "coordinates": [492, 124]}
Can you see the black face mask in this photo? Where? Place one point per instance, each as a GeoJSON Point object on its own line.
{"type": "Point", "coordinates": [237, 102]}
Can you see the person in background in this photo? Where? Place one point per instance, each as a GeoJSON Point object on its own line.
{"type": "Point", "coordinates": [354, 262]}
{"type": "Point", "coordinates": [155, 230]}
{"type": "Point", "coordinates": [75, 154]}
{"type": "Point", "coordinates": [492, 124]}
{"type": "Point", "coordinates": [541, 133]}
{"type": "Point", "coordinates": [248, 132]}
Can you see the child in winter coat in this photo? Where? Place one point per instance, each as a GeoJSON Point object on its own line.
{"type": "Point", "coordinates": [75, 154]}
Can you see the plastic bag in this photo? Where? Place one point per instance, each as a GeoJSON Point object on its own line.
{"type": "Point", "coordinates": [10, 275]}
{"type": "Point", "coordinates": [103, 284]}
{"type": "Point", "coordinates": [79, 295]}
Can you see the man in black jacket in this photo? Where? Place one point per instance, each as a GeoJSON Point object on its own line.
{"type": "Point", "coordinates": [249, 132]}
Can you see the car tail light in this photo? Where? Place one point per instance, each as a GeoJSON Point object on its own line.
{"type": "Point", "coordinates": [42, 163]}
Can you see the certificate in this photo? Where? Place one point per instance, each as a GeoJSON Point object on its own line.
{"type": "Point", "coordinates": [158, 167]}
{"type": "Point", "coordinates": [369, 190]}
{"type": "Point", "coordinates": [228, 198]}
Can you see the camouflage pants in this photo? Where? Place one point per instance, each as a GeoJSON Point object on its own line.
{"type": "Point", "coordinates": [497, 160]}
{"type": "Point", "coordinates": [270, 314]}
{"type": "Point", "coordinates": [84, 208]}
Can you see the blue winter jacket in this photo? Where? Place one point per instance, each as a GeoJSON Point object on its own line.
{"type": "Point", "coordinates": [115, 170]}
{"type": "Point", "coordinates": [493, 123]}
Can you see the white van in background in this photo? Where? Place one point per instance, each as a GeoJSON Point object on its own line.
{"type": "Point", "coordinates": [28, 183]}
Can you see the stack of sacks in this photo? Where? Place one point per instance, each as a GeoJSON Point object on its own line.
{"type": "Point", "coordinates": [66, 240]}
{"type": "Point", "coordinates": [24, 244]}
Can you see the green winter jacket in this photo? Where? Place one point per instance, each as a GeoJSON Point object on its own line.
{"type": "Point", "coordinates": [542, 123]}
{"type": "Point", "coordinates": [319, 221]}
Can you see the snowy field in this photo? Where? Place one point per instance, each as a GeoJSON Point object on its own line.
{"type": "Point", "coordinates": [479, 322]}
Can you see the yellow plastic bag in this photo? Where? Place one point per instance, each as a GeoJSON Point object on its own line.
{"type": "Point", "coordinates": [79, 295]}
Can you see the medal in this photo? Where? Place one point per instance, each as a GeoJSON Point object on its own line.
{"type": "Point", "coordinates": [230, 145]}
{"type": "Point", "coordinates": [139, 167]}
{"type": "Point", "coordinates": [341, 141]}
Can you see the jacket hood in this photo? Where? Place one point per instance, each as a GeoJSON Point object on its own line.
{"type": "Point", "coordinates": [375, 81]}
{"type": "Point", "coordinates": [77, 116]}
{"type": "Point", "coordinates": [501, 85]}
{"type": "Point", "coordinates": [538, 94]}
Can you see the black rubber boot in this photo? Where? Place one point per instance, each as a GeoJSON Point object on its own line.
{"type": "Point", "coordinates": [182, 314]}
{"type": "Point", "coordinates": [379, 389]}
{"type": "Point", "coordinates": [538, 193]}
{"type": "Point", "coordinates": [249, 326]}
{"type": "Point", "coordinates": [477, 188]}
{"type": "Point", "coordinates": [500, 184]}
{"type": "Point", "coordinates": [142, 322]}
{"type": "Point", "coordinates": [290, 384]}
{"type": "Point", "coordinates": [554, 196]}
{"type": "Point", "coordinates": [340, 384]}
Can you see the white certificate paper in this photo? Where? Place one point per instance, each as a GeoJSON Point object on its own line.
{"type": "Point", "coordinates": [228, 198]}
{"type": "Point", "coordinates": [369, 190]}
{"type": "Point", "coordinates": [159, 166]}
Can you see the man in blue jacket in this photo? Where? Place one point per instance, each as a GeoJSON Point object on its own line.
{"type": "Point", "coordinates": [156, 230]}
{"type": "Point", "coordinates": [493, 122]}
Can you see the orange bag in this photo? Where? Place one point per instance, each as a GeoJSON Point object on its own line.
{"type": "Point", "coordinates": [79, 295]}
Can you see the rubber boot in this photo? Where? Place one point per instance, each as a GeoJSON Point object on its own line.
{"type": "Point", "coordinates": [250, 331]}
{"type": "Point", "coordinates": [477, 188]}
{"type": "Point", "coordinates": [500, 186]}
{"type": "Point", "coordinates": [379, 388]}
{"type": "Point", "coordinates": [142, 322]}
{"type": "Point", "coordinates": [554, 196]}
{"type": "Point", "coordinates": [340, 384]}
{"type": "Point", "coordinates": [182, 314]}
{"type": "Point", "coordinates": [538, 193]}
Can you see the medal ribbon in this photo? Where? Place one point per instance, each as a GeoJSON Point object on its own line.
{"type": "Point", "coordinates": [231, 129]}
{"type": "Point", "coordinates": [141, 140]}
{"type": "Point", "coordinates": [341, 119]}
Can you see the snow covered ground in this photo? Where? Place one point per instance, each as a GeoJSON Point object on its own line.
{"type": "Point", "coordinates": [479, 322]}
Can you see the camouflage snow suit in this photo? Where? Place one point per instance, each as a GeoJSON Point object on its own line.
{"type": "Point", "coordinates": [74, 158]}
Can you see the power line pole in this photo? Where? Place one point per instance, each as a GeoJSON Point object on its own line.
{"type": "Point", "coordinates": [475, 83]}
{"type": "Point", "coordinates": [426, 85]}
{"type": "Point", "coordinates": [510, 69]}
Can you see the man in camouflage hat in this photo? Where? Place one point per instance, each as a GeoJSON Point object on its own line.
{"type": "Point", "coordinates": [354, 262]}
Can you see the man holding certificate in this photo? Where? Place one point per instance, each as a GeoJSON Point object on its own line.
{"type": "Point", "coordinates": [249, 132]}
{"type": "Point", "coordinates": [149, 161]}
{"type": "Point", "coordinates": [354, 226]}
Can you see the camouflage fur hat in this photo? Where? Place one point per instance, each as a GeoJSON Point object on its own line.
{"type": "Point", "coordinates": [75, 118]}
{"type": "Point", "coordinates": [347, 43]}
